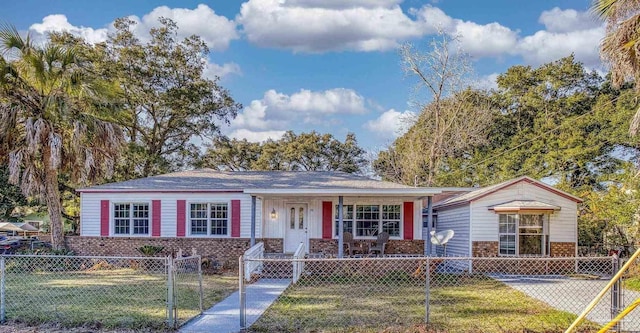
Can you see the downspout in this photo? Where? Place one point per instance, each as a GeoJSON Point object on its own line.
{"type": "Point", "coordinates": [340, 228]}
{"type": "Point", "coordinates": [427, 242]}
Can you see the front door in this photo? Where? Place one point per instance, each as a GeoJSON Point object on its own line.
{"type": "Point", "coordinates": [296, 225]}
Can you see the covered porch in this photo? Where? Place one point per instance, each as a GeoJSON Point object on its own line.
{"type": "Point", "coordinates": [319, 219]}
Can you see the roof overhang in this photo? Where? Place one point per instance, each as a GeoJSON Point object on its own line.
{"type": "Point", "coordinates": [397, 192]}
{"type": "Point", "coordinates": [525, 206]}
{"type": "Point", "coordinates": [132, 190]}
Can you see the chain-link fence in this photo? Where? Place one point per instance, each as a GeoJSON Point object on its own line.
{"type": "Point", "coordinates": [109, 292]}
{"type": "Point", "coordinates": [440, 294]}
{"type": "Point", "coordinates": [187, 288]}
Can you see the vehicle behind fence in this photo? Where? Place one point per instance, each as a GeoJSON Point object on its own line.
{"type": "Point", "coordinates": [122, 292]}
{"type": "Point", "coordinates": [444, 294]}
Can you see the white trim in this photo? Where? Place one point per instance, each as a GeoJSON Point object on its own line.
{"type": "Point", "coordinates": [187, 211]}
{"type": "Point", "coordinates": [368, 192]}
{"type": "Point", "coordinates": [112, 218]}
{"type": "Point", "coordinates": [364, 203]}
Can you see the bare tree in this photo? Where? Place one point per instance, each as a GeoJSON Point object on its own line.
{"type": "Point", "coordinates": [453, 117]}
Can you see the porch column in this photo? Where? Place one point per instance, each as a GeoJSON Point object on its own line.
{"type": "Point", "coordinates": [253, 221]}
{"type": "Point", "coordinates": [340, 228]}
{"type": "Point", "coordinates": [427, 242]}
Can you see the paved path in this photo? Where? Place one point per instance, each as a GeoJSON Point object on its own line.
{"type": "Point", "coordinates": [573, 295]}
{"type": "Point", "coordinates": [224, 317]}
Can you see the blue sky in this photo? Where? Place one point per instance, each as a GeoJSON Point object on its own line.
{"type": "Point", "coordinates": [333, 65]}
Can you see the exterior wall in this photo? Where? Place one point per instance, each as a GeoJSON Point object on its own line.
{"type": "Point", "coordinates": [562, 224]}
{"type": "Point", "coordinates": [90, 210]}
{"type": "Point", "coordinates": [485, 249]}
{"type": "Point", "coordinates": [276, 228]}
{"type": "Point", "coordinates": [456, 219]}
{"type": "Point", "coordinates": [330, 246]}
{"type": "Point", "coordinates": [225, 250]}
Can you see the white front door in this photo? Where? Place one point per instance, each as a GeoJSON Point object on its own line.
{"type": "Point", "coordinates": [296, 227]}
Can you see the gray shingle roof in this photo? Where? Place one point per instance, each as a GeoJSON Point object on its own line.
{"type": "Point", "coordinates": [524, 205]}
{"type": "Point", "coordinates": [476, 194]}
{"type": "Point", "coordinates": [208, 179]}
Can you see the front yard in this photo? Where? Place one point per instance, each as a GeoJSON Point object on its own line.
{"type": "Point", "coordinates": [121, 298]}
{"type": "Point", "coordinates": [457, 304]}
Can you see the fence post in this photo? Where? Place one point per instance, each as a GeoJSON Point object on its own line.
{"type": "Point", "coordinates": [427, 275]}
{"type": "Point", "coordinates": [616, 295]}
{"type": "Point", "coordinates": [200, 282]}
{"type": "Point", "coordinates": [3, 273]}
{"type": "Point", "coordinates": [241, 290]}
{"type": "Point", "coordinates": [170, 293]}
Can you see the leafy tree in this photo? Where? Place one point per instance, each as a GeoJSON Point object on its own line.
{"type": "Point", "coordinates": [621, 46]}
{"type": "Point", "coordinates": [306, 151]}
{"type": "Point", "coordinates": [10, 195]}
{"type": "Point", "coordinates": [169, 100]}
{"type": "Point", "coordinates": [55, 120]}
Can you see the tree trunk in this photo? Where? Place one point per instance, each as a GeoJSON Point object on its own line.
{"type": "Point", "coordinates": [54, 208]}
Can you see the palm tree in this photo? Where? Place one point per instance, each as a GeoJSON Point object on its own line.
{"type": "Point", "coordinates": [621, 46]}
{"type": "Point", "coordinates": [54, 121]}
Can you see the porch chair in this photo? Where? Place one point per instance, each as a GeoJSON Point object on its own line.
{"type": "Point", "coordinates": [380, 243]}
{"type": "Point", "coordinates": [347, 239]}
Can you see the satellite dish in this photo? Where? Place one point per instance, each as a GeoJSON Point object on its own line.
{"type": "Point", "coordinates": [442, 238]}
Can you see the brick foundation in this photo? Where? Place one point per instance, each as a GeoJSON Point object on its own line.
{"type": "Point", "coordinates": [225, 250]}
{"type": "Point", "coordinates": [330, 246]}
{"type": "Point", "coordinates": [563, 249]}
{"type": "Point", "coordinates": [485, 249]}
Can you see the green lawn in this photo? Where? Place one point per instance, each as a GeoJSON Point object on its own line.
{"type": "Point", "coordinates": [458, 304]}
{"type": "Point", "coordinates": [122, 298]}
{"type": "Point", "coordinates": [633, 283]}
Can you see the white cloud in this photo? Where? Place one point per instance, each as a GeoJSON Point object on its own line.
{"type": "Point", "coordinates": [487, 82]}
{"type": "Point", "coordinates": [256, 136]}
{"type": "Point", "coordinates": [478, 40]}
{"type": "Point", "coordinates": [318, 26]}
{"type": "Point", "coordinates": [558, 20]}
{"type": "Point", "coordinates": [277, 112]}
{"type": "Point", "coordinates": [390, 124]}
{"type": "Point", "coordinates": [213, 70]}
{"type": "Point", "coordinates": [216, 30]}
{"type": "Point", "coordinates": [545, 46]}
{"type": "Point", "coordinates": [60, 23]}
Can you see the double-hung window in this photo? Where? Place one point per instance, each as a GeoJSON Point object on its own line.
{"type": "Point", "coordinates": [370, 220]}
{"type": "Point", "coordinates": [524, 234]}
{"type": "Point", "coordinates": [209, 219]}
{"type": "Point", "coordinates": [131, 218]}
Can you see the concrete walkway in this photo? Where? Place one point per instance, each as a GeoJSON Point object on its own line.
{"type": "Point", "coordinates": [224, 317]}
{"type": "Point", "coordinates": [573, 295]}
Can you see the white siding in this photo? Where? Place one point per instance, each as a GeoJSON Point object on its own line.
{"type": "Point", "coordinates": [90, 209]}
{"type": "Point", "coordinates": [456, 219]}
{"type": "Point", "coordinates": [276, 228]}
{"type": "Point", "coordinates": [562, 224]}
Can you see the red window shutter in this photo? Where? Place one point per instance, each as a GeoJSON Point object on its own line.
{"type": "Point", "coordinates": [155, 218]}
{"type": "Point", "coordinates": [181, 218]}
{"type": "Point", "coordinates": [104, 218]}
{"type": "Point", "coordinates": [235, 218]}
{"type": "Point", "coordinates": [327, 219]}
{"type": "Point", "coordinates": [408, 220]}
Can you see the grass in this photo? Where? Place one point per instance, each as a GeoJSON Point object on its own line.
{"type": "Point", "coordinates": [458, 304]}
{"type": "Point", "coordinates": [120, 298]}
{"type": "Point", "coordinates": [632, 283]}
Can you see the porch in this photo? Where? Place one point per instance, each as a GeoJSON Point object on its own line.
{"type": "Point", "coordinates": [319, 220]}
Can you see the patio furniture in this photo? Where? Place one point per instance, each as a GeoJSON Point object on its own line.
{"type": "Point", "coordinates": [380, 243]}
{"type": "Point", "coordinates": [347, 239]}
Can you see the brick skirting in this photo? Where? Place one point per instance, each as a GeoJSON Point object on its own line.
{"type": "Point", "coordinates": [485, 249]}
{"type": "Point", "coordinates": [563, 249]}
{"type": "Point", "coordinates": [225, 250]}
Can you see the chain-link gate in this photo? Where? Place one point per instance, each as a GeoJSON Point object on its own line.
{"type": "Point", "coordinates": [187, 288]}
{"type": "Point", "coordinates": [445, 294]}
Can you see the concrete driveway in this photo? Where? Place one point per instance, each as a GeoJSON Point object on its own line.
{"type": "Point", "coordinates": [573, 295]}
